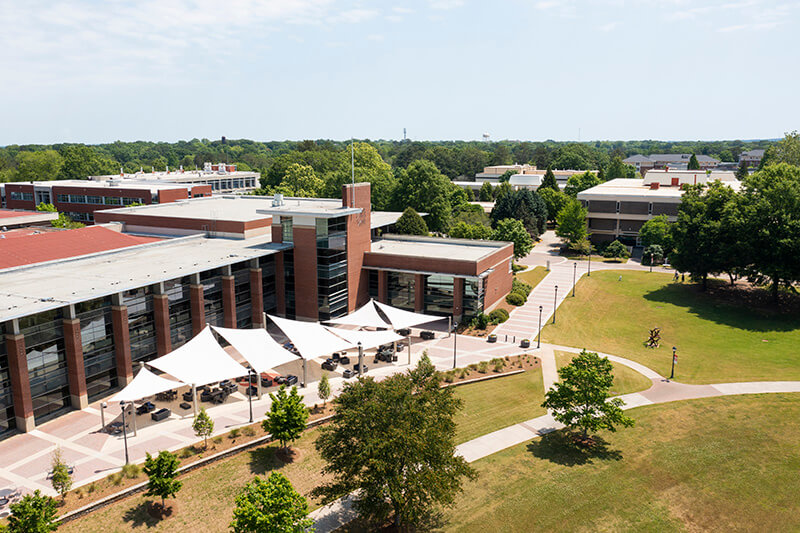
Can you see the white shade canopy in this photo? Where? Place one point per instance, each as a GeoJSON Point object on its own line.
{"type": "Point", "coordinates": [258, 348]}
{"type": "Point", "coordinates": [368, 339]}
{"type": "Point", "coordinates": [143, 385]}
{"type": "Point", "coordinates": [200, 361]}
{"type": "Point", "coordinates": [310, 338]}
{"type": "Point", "coordinates": [405, 319]}
{"type": "Point", "coordinates": [366, 317]}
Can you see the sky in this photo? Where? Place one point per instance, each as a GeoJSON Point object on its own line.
{"type": "Point", "coordinates": [163, 70]}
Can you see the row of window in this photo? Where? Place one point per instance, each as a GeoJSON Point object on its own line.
{"type": "Point", "coordinates": [97, 200]}
{"type": "Point", "coordinates": [229, 184]}
{"type": "Point", "coordinates": [22, 196]}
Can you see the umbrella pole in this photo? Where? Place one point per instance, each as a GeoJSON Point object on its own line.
{"type": "Point", "coordinates": [408, 340]}
{"type": "Point", "coordinates": [394, 349]}
{"type": "Point", "coordinates": [194, 400]}
{"type": "Point", "coordinates": [304, 373]}
{"type": "Point", "coordinates": [133, 417]}
{"type": "Point", "coordinates": [360, 359]}
{"type": "Point", "coordinates": [258, 385]}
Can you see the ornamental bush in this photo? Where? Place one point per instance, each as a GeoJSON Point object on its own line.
{"type": "Point", "coordinates": [498, 316]}
{"type": "Point", "coordinates": [515, 298]}
{"type": "Point", "coordinates": [521, 287]}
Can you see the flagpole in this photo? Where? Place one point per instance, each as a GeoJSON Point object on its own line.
{"type": "Point", "coordinates": [353, 171]}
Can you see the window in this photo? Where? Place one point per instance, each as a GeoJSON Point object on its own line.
{"type": "Point", "coordinates": [331, 267]}
{"type": "Point", "coordinates": [650, 208]}
{"type": "Point", "coordinates": [47, 363]}
{"type": "Point", "coordinates": [141, 323]}
{"type": "Point", "coordinates": [617, 208]}
{"type": "Point", "coordinates": [286, 229]}
{"type": "Point", "coordinates": [401, 290]}
{"type": "Point", "coordinates": [374, 284]}
{"type": "Point", "coordinates": [112, 200]}
{"type": "Point", "coordinates": [212, 296]}
{"type": "Point", "coordinates": [129, 201]}
{"type": "Point", "coordinates": [7, 421]}
{"type": "Point", "coordinates": [180, 310]}
{"type": "Point", "coordinates": [21, 196]}
{"type": "Point", "coordinates": [94, 199]}
{"type": "Point", "coordinates": [267, 266]}
{"type": "Point", "coordinates": [97, 337]}
{"type": "Point", "coordinates": [288, 276]}
{"type": "Point", "coordinates": [63, 198]}
{"type": "Point", "coordinates": [438, 294]}
{"type": "Point", "coordinates": [473, 296]}
{"type": "Point", "coordinates": [241, 290]}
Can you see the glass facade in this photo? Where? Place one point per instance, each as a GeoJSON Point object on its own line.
{"type": "Point", "coordinates": [7, 421]}
{"type": "Point", "coordinates": [288, 277]}
{"type": "Point", "coordinates": [212, 296]}
{"type": "Point", "coordinates": [287, 229]}
{"type": "Point", "coordinates": [180, 310]}
{"type": "Point", "coordinates": [97, 338]}
{"type": "Point", "coordinates": [141, 323]}
{"type": "Point", "coordinates": [374, 290]}
{"type": "Point", "coordinates": [473, 296]}
{"type": "Point", "coordinates": [331, 267]}
{"type": "Point", "coordinates": [401, 290]}
{"type": "Point", "coordinates": [438, 294]}
{"type": "Point", "coordinates": [47, 363]}
{"type": "Point", "coordinates": [241, 290]}
{"type": "Point", "coordinates": [267, 266]}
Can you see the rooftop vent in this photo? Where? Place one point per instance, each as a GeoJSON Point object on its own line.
{"type": "Point", "coordinates": [277, 200]}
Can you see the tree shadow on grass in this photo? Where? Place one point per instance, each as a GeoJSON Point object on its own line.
{"type": "Point", "coordinates": [559, 447]}
{"type": "Point", "coordinates": [145, 514]}
{"type": "Point", "coordinates": [749, 309]}
{"type": "Point", "coordinates": [264, 460]}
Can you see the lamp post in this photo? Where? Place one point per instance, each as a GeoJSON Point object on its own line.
{"type": "Point", "coordinates": [250, 373]}
{"type": "Point", "coordinates": [589, 271]}
{"type": "Point", "coordinates": [360, 359]}
{"type": "Point", "coordinates": [574, 277]}
{"type": "Point", "coordinates": [674, 360]}
{"type": "Point", "coordinates": [103, 406]}
{"type": "Point", "coordinates": [539, 336]}
{"type": "Point", "coordinates": [455, 338]}
{"type": "Point", "coordinates": [555, 303]}
{"type": "Point", "coordinates": [124, 432]}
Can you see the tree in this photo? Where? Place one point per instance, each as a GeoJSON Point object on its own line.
{"type": "Point", "coordinates": [61, 479]}
{"type": "Point", "coordinates": [617, 169]}
{"type": "Point", "coordinates": [287, 416]}
{"type": "Point", "coordinates": [770, 214]}
{"type": "Point", "coordinates": [302, 181]}
{"type": "Point", "coordinates": [554, 200]}
{"type": "Point", "coordinates": [36, 166]}
{"type": "Point", "coordinates": [502, 190]}
{"type": "Point", "coordinates": [524, 205]}
{"type": "Point", "coordinates": [506, 176]}
{"type": "Point", "coordinates": [80, 161]}
{"type": "Point", "coordinates": [203, 426]}
{"type": "Point", "coordinates": [324, 388]}
{"type": "Point", "coordinates": [549, 181]}
{"type": "Point", "coordinates": [47, 208]}
{"type": "Point", "coordinates": [270, 506]}
{"type": "Point", "coordinates": [410, 223]}
{"type": "Point", "coordinates": [616, 250]}
{"type": "Point", "coordinates": [571, 223]}
{"type": "Point", "coordinates": [656, 231]}
{"type": "Point", "coordinates": [440, 215]}
{"type": "Point", "coordinates": [502, 155]}
{"type": "Point", "coordinates": [485, 193]}
{"type": "Point", "coordinates": [400, 446]}
{"type": "Point", "coordinates": [35, 513]}
{"type": "Point", "coordinates": [162, 471]}
{"type": "Point", "coordinates": [741, 172]}
{"type": "Point", "coordinates": [368, 166]}
{"type": "Point", "coordinates": [580, 182]}
{"type": "Point", "coordinates": [581, 397]}
{"type": "Point", "coordinates": [693, 164]}
{"type": "Point", "coordinates": [424, 188]}
{"type": "Point", "coordinates": [512, 230]}
{"type": "Point", "coordinates": [64, 221]}
{"type": "Point", "coordinates": [653, 254]}
{"type": "Point", "coordinates": [787, 150]}
{"type": "Point", "coordinates": [462, 230]}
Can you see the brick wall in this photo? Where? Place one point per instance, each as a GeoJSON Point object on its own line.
{"type": "Point", "coordinates": [358, 242]}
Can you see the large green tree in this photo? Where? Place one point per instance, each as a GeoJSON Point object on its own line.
{"type": "Point", "coordinates": [485, 193]}
{"type": "Point", "coordinates": [35, 513]}
{"type": "Point", "coordinates": [300, 180]}
{"type": "Point", "coordinates": [693, 164]}
{"type": "Point", "coordinates": [571, 223]}
{"type": "Point", "coordinates": [410, 223]}
{"type": "Point", "coordinates": [287, 416]}
{"type": "Point", "coordinates": [657, 231]}
{"type": "Point", "coordinates": [787, 150]}
{"type": "Point", "coordinates": [270, 505]}
{"type": "Point", "coordinates": [37, 166]}
{"type": "Point", "coordinates": [549, 181]}
{"type": "Point", "coordinates": [555, 201]}
{"type": "Point", "coordinates": [524, 205]}
{"type": "Point", "coordinates": [512, 230]}
{"type": "Point", "coordinates": [393, 441]}
{"type": "Point", "coordinates": [580, 182]}
{"type": "Point", "coordinates": [617, 169]}
{"type": "Point", "coordinates": [162, 471]}
{"type": "Point", "coordinates": [462, 230]}
{"type": "Point", "coordinates": [369, 166]}
{"type": "Point", "coordinates": [81, 161]}
{"type": "Point", "coordinates": [581, 398]}
{"type": "Point", "coordinates": [424, 188]}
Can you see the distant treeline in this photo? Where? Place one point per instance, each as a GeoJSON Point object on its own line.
{"type": "Point", "coordinates": [452, 158]}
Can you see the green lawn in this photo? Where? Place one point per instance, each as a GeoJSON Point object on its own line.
{"type": "Point", "coordinates": [532, 276]}
{"type": "Point", "coordinates": [496, 403]}
{"type": "Point", "coordinates": [722, 464]}
{"type": "Point", "coordinates": [626, 379]}
{"type": "Point", "coordinates": [717, 341]}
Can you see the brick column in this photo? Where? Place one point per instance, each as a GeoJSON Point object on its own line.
{"type": "Point", "coordinates": [198, 308]}
{"type": "Point", "coordinates": [305, 272]}
{"type": "Point", "coordinates": [458, 297]}
{"type": "Point", "coordinates": [161, 318]}
{"type": "Point", "coordinates": [383, 286]}
{"type": "Point", "coordinates": [280, 286]}
{"type": "Point", "coordinates": [229, 301]}
{"type": "Point", "coordinates": [256, 297]}
{"type": "Point", "coordinates": [122, 343]}
{"type": "Point", "coordinates": [419, 293]}
{"type": "Point", "coordinates": [20, 382]}
{"type": "Point", "coordinates": [75, 370]}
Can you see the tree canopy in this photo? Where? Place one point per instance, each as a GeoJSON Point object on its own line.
{"type": "Point", "coordinates": [571, 223]}
{"type": "Point", "coordinates": [400, 446]}
{"type": "Point", "coordinates": [580, 182]}
{"type": "Point", "coordinates": [656, 231]}
{"type": "Point", "coordinates": [287, 416]}
{"type": "Point", "coordinates": [524, 205]}
{"type": "Point", "coordinates": [410, 223]}
{"type": "Point", "coordinates": [617, 169]}
{"type": "Point", "coordinates": [693, 164]}
{"type": "Point", "coordinates": [549, 181]}
{"type": "Point", "coordinates": [35, 513]}
{"type": "Point", "coordinates": [162, 471]}
{"type": "Point", "coordinates": [270, 505]}
{"type": "Point", "coordinates": [512, 230]}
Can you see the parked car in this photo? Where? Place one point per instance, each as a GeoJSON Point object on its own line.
{"type": "Point", "coordinates": [330, 364]}
{"type": "Point", "coordinates": [347, 374]}
{"type": "Point", "coordinates": [525, 343]}
{"type": "Point", "coordinates": [491, 338]}
{"type": "Point", "coordinates": [427, 335]}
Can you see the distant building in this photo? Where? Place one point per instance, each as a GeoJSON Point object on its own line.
{"type": "Point", "coordinates": [643, 163]}
{"type": "Point", "coordinates": [221, 177]}
{"type": "Point", "coordinates": [526, 177]}
{"type": "Point", "coordinates": [617, 209]}
{"type": "Point", "coordinates": [493, 173]}
{"type": "Point", "coordinates": [752, 158]}
{"type": "Point", "coordinates": [12, 219]}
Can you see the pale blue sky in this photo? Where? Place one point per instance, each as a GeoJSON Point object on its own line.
{"type": "Point", "coordinates": [96, 71]}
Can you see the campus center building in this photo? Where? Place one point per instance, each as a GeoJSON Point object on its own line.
{"type": "Point", "coordinates": [74, 327]}
{"type": "Point", "coordinates": [618, 208]}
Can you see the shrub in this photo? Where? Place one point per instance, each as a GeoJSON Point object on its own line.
{"type": "Point", "coordinates": [483, 367]}
{"type": "Point", "coordinates": [217, 439]}
{"type": "Point", "coordinates": [472, 366]}
{"type": "Point", "coordinates": [234, 433]}
{"type": "Point", "coordinates": [449, 376]}
{"type": "Point", "coordinates": [480, 322]}
{"type": "Point", "coordinates": [131, 471]}
{"type": "Point", "coordinates": [498, 364]}
{"type": "Point", "coordinates": [115, 479]}
{"type": "Point", "coordinates": [187, 452]}
{"type": "Point", "coordinates": [462, 373]}
{"type": "Point", "coordinates": [515, 298]}
{"type": "Point", "coordinates": [248, 431]}
{"type": "Point", "coordinates": [521, 286]}
{"type": "Point", "coordinates": [80, 492]}
{"type": "Point", "coordinates": [518, 268]}
{"type": "Point", "coordinates": [92, 488]}
{"type": "Point", "coordinates": [616, 250]}
{"type": "Point", "coordinates": [498, 316]}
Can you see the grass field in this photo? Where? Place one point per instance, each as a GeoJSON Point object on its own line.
{"type": "Point", "coordinates": [497, 403]}
{"type": "Point", "coordinates": [532, 276]}
{"type": "Point", "coordinates": [717, 341]}
{"type": "Point", "coordinates": [626, 380]}
{"type": "Point", "coordinates": [205, 503]}
{"type": "Point", "coordinates": [722, 464]}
